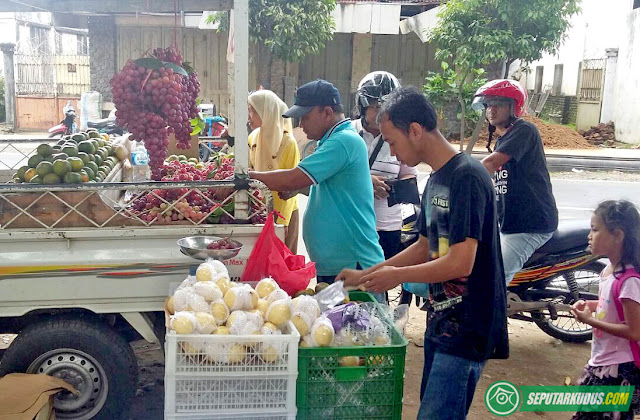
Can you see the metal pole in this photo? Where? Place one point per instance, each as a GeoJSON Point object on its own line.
{"type": "Point", "coordinates": [9, 83]}
{"type": "Point", "coordinates": [240, 93]}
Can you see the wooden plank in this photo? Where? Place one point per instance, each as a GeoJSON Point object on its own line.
{"type": "Point", "coordinates": [113, 6]}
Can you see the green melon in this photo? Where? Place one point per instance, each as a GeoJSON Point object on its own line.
{"type": "Point", "coordinates": [61, 167]}
{"type": "Point", "coordinates": [44, 168]}
{"type": "Point", "coordinates": [34, 161]}
{"type": "Point", "coordinates": [73, 178]}
{"type": "Point", "coordinates": [50, 179]}
{"type": "Point", "coordinates": [45, 150]}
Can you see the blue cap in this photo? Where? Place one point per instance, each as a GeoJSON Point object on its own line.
{"type": "Point", "coordinates": [312, 94]}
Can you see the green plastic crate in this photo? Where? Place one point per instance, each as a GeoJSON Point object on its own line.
{"type": "Point", "coordinates": [326, 390]}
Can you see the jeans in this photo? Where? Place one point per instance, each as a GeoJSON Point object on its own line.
{"type": "Point", "coordinates": [448, 385]}
{"type": "Point", "coordinates": [517, 248]}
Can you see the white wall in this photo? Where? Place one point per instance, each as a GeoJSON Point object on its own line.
{"type": "Point", "coordinates": [598, 26]}
{"type": "Point", "coordinates": [626, 99]}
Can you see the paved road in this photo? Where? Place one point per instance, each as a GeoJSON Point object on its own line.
{"type": "Point", "coordinates": [578, 198]}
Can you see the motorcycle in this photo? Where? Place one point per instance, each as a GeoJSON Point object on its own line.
{"type": "Point", "coordinates": [67, 125]}
{"type": "Point", "coordinates": [558, 274]}
{"type": "Point", "coordinates": [216, 136]}
{"type": "Point", "coordinates": [107, 125]}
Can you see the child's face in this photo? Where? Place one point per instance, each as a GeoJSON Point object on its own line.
{"type": "Point", "coordinates": [601, 241]}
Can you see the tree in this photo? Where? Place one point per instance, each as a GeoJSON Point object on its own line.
{"type": "Point", "coordinates": [477, 33]}
{"type": "Point", "coordinates": [442, 87]}
{"type": "Point", "coordinates": [287, 30]}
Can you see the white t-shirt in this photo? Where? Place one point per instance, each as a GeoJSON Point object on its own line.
{"type": "Point", "coordinates": [387, 166]}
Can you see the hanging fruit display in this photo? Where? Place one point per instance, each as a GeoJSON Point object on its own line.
{"type": "Point", "coordinates": [155, 96]}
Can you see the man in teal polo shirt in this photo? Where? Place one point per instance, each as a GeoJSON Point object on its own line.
{"type": "Point", "coordinates": [339, 224]}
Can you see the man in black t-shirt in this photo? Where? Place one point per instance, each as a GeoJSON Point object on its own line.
{"type": "Point", "coordinates": [526, 206]}
{"type": "Point", "coordinates": [457, 257]}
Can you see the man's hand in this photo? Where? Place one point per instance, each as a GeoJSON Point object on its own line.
{"type": "Point", "coordinates": [351, 277]}
{"type": "Point", "coordinates": [383, 279]}
{"type": "Point", "coordinates": [380, 188]}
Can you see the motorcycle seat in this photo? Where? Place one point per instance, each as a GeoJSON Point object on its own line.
{"type": "Point", "coordinates": [99, 123]}
{"type": "Point", "coordinates": [569, 235]}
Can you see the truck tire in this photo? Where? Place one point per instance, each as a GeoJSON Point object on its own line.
{"type": "Point", "coordinates": [87, 354]}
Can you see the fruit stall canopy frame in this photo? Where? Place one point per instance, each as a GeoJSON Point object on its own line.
{"type": "Point", "coordinates": [238, 70]}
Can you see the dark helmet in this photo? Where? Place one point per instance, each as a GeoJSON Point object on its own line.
{"type": "Point", "coordinates": [374, 88]}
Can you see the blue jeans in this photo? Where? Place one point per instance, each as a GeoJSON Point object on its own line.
{"type": "Point", "coordinates": [517, 248]}
{"type": "Point", "coordinates": [448, 385]}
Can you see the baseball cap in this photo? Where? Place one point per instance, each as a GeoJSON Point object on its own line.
{"type": "Point", "coordinates": [312, 94]}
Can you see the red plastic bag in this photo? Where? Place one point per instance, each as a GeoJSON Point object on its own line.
{"type": "Point", "coordinates": [271, 257]}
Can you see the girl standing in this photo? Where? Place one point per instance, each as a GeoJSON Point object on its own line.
{"type": "Point", "coordinates": [615, 234]}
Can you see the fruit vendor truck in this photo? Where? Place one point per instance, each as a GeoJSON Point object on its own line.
{"type": "Point", "coordinates": [85, 269]}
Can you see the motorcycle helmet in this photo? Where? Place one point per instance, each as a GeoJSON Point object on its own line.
{"type": "Point", "coordinates": [374, 88]}
{"type": "Point", "coordinates": [502, 89]}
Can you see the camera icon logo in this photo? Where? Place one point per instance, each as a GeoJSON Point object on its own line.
{"type": "Point", "coordinates": [502, 398]}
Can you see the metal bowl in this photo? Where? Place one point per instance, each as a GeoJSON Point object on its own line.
{"type": "Point", "coordinates": [196, 247]}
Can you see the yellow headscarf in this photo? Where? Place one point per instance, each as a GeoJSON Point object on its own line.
{"type": "Point", "coordinates": [268, 139]}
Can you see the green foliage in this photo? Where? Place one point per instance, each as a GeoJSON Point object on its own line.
{"type": "Point", "coordinates": [473, 33]}
{"type": "Point", "coordinates": [2, 110]}
{"type": "Point", "coordinates": [291, 29]}
{"type": "Point", "coordinates": [444, 88]}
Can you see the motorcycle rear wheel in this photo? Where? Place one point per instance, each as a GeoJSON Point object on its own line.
{"type": "Point", "coordinates": [565, 327]}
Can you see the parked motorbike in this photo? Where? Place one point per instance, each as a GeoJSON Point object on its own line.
{"type": "Point", "coordinates": [558, 274]}
{"type": "Point", "coordinates": [107, 125]}
{"type": "Point", "coordinates": [67, 125]}
{"type": "Point", "coordinates": [216, 136]}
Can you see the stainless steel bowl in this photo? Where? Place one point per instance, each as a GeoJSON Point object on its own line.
{"type": "Point", "coordinates": [196, 247]}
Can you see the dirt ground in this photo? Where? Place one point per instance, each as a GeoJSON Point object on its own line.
{"type": "Point", "coordinates": [554, 136]}
{"type": "Point", "coordinates": [536, 359]}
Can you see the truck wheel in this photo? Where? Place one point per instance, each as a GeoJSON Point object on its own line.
{"type": "Point", "coordinates": [88, 355]}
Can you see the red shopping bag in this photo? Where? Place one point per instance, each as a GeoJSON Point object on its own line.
{"type": "Point", "coordinates": [271, 257]}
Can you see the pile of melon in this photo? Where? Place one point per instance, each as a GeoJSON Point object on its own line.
{"type": "Point", "coordinates": [82, 157]}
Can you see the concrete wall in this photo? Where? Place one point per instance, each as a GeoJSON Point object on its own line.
{"type": "Point", "coordinates": [102, 50]}
{"type": "Point", "coordinates": [567, 106]}
{"type": "Point", "coordinates": [598, 26]}
{"type": "Point", "coordinates": [626, 98]}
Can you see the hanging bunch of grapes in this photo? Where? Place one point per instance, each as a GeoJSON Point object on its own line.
{"type": "Point", "coordinates": [155, 96]}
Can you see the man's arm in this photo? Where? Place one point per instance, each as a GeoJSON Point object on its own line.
{"type": "Point", "coordinates": [494, 161]}
{"type": "Point", "coordinates": [416, 253]}
{"type": "Point", "coordinates": [457, 263]}
{"type": "Point", "coordinates": [283, 179]}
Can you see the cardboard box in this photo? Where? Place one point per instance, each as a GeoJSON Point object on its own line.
{"type": "Point", "coordinates": [193, 152]}
{"type": "Point", "coordinates": [29, 396]}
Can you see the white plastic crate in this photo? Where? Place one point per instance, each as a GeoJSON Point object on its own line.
{"type": "Point", "coordinates": [231, 376]}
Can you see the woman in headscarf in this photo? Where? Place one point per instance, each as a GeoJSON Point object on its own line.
{"type": "Point", "coordinates": [272, 146]}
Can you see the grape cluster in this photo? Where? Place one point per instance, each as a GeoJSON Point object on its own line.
{"type": "Point", "coordinates": [168, 54]}
{"type": "Point", "coordinates": [221, 244]}
{"type": "Point", "coordinates": [153, 103]}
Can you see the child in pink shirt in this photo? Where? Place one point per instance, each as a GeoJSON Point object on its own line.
{"type": "Point", "coordinates": [615, 233]}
